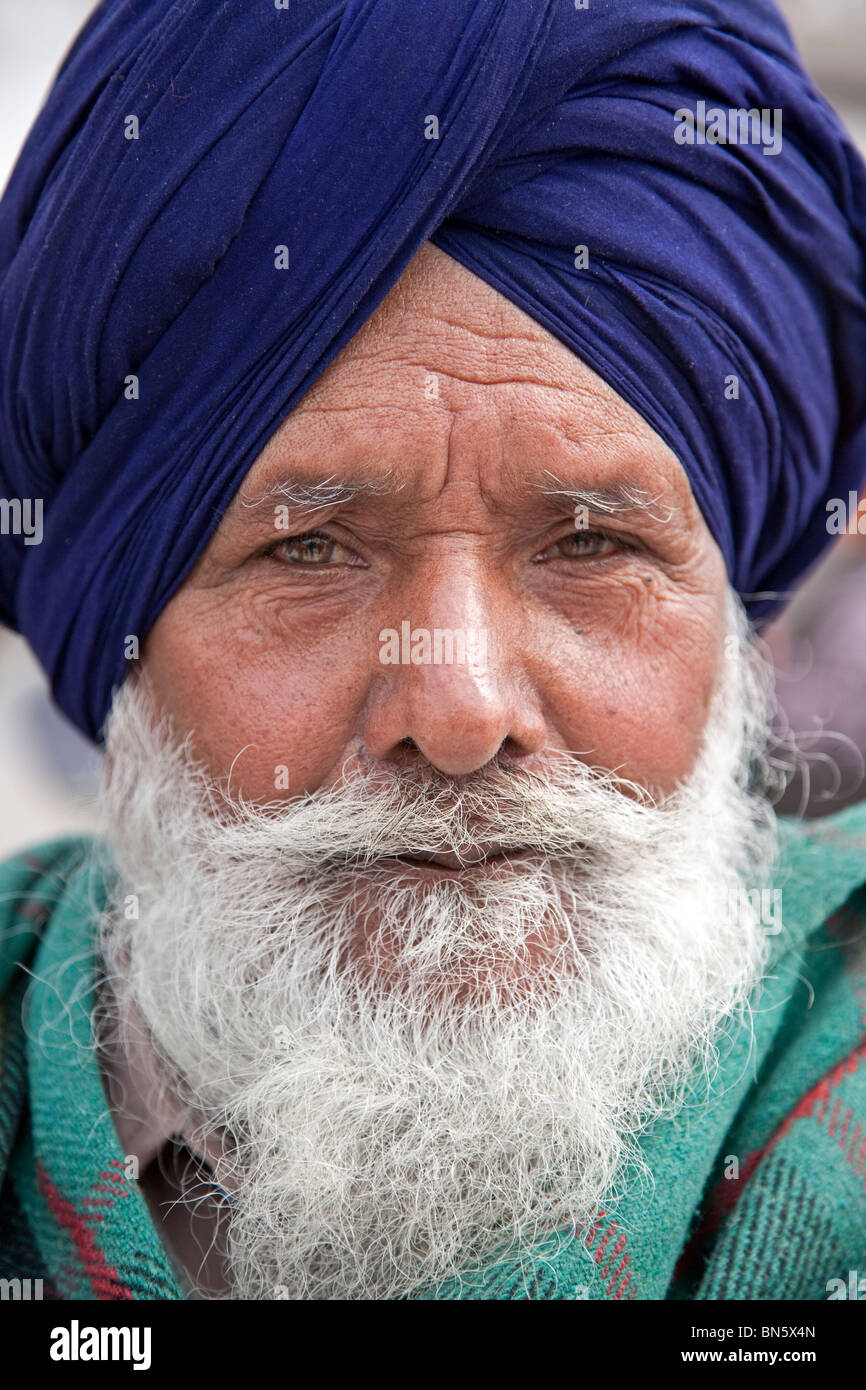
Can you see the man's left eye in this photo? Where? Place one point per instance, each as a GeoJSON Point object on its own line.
{"type": "Point", "coordinates": [311, 549]}
{"type": "Point", "coordinates": [580, 545]}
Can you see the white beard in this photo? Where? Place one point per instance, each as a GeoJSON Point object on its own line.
{"type": "Point", "coordinates": [413, 1090]}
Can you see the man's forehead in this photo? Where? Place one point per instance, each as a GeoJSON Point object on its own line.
{"type": "Point", "coordinates": [448, 369]}
{"type": "Point", "coordinates": [449, 378]}
{"type": "Point", "coordinates": [442, 320]}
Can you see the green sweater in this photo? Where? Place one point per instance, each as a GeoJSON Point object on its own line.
{"type": "Point", "coordinates": [758, 1192]}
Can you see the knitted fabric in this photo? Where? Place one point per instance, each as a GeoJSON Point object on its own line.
{"type": "Point", "coordinates": [757, 1191]}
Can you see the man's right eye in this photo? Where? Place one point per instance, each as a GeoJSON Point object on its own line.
{"type": "Point", "coordinates": [313, 548]}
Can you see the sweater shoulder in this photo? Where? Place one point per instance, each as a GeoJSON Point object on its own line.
{"type": "Point", "coordinates": [821, 867]}
{"type": "Point", "coordinates": [32, 883]}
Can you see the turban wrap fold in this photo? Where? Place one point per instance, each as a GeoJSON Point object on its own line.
{"type": "Point", "coordinates": [307, 127]}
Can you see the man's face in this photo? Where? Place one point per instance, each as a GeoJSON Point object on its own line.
{"type": "Point", "coordinates": [439, 965]}
{"type": "Point", "coordinates": [458, 440]}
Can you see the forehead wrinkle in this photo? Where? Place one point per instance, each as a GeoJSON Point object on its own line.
{"type": "Point", "coordinates": [493, 332]}
{"type": "Point", "coordinates": [479, 360]}
{"type": "Point", "coordinates": [432, 360]}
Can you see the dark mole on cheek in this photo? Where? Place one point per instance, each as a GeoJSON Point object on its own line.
{"type": "Point", "coordinates": [647, 579]}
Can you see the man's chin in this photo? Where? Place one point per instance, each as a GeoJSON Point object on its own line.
{"type": "Point", "coordinates": [494, 931]}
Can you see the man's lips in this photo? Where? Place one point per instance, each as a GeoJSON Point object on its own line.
{"type": "Point", "coordinates": [474, 858]}
{"type": "Point", "coordinates": [478, 856]}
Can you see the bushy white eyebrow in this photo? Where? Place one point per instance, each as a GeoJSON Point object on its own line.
{"type": "Point", "coordinates": [318, 494]}
{"type": "Point", "coordinates": [315, 494]}
{"type": "Point", "coordinates": [608, 501]}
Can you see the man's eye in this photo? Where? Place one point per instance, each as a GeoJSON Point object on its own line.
{"type": "Point", "coordinates": [312, 548]}
{"type": "Point", "coordinates": [580, 545]}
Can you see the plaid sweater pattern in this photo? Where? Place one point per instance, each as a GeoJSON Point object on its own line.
{"type": "Point", "coordinates": [758, 1191]}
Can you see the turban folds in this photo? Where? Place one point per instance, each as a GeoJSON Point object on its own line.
{"type": "Point", "coordinates": [309, 128]}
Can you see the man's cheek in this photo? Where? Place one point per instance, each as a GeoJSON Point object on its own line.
{"type": "Point", "coordinates": [668, 727]}
{"type": "Point", "coordinates": [280, 728]}
{"type": "Point", "coordinates": [255, 712]}
{"type": "Point", "coordinates": [644, 717]}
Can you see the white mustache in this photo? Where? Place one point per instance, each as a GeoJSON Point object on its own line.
{"type": "Point", "coordinates": [564, 810]}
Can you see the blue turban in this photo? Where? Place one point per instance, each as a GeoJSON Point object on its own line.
{"type": "Point", "coordinates": [722, 293]}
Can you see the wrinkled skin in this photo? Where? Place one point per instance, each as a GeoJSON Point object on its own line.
{"type": "Point", "coordinates": [458, 408]}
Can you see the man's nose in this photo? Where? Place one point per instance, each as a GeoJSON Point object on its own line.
{"type": "Point", "coordinates": [450, 681]}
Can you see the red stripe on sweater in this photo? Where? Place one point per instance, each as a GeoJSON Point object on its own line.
{"type": "Point", "coordinates": [725, 1195]}
{"type": "Point", "coordinates": [594, 1229]}
{"type": "Point", "coordinates": [855, 1139]}
{"type": "Point", "coordinates": [617, 1250]}
{"type": "Point", "coordinates": [837, 1106]}
{"type": "Point", "coordinates": [607, 1235]}
{"type": "Point", "coordinates": [623, 1264]}
{"type": "Point", "coordinates": [104, 1280]}
{"type": "Point", "coordinates": [619, 1247]}
{"type": "Point", "coordinates": [843, 1134]}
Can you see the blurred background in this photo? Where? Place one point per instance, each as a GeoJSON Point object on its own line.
{"type": "Point", "coordinates": [49, 772]}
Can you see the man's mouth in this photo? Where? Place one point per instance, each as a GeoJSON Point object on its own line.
{"type": "Point", "coordinates": [471, 860]}
{"type": "Point", "coordinates": [451, 862]}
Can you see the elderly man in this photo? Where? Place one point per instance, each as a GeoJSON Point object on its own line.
{"type": "Point", "coordinates": [420, 421]}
